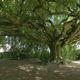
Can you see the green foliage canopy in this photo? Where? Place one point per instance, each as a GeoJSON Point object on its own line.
{"type": "Point", "coordinates": [52, 22]}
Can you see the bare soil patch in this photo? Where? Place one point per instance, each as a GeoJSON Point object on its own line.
{"type": "Point", "coordinates": [26, 70]}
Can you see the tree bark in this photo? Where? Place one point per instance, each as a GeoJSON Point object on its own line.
{"type": "Point", "coordinates": [55, 51]}
{"type": "Point", "coordinates": [52, 52]}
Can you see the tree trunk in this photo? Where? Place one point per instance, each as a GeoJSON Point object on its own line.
{"type": "Point", "coordinates": [55, 51]}
{"type": "Point", "coordinates": [52, 52]}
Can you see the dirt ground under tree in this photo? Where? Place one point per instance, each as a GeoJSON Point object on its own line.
{"type": "Point", "coordinates": [26, 70]}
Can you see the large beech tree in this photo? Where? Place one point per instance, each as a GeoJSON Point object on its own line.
{"type": "Point", "coordinates": [51, 22]}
